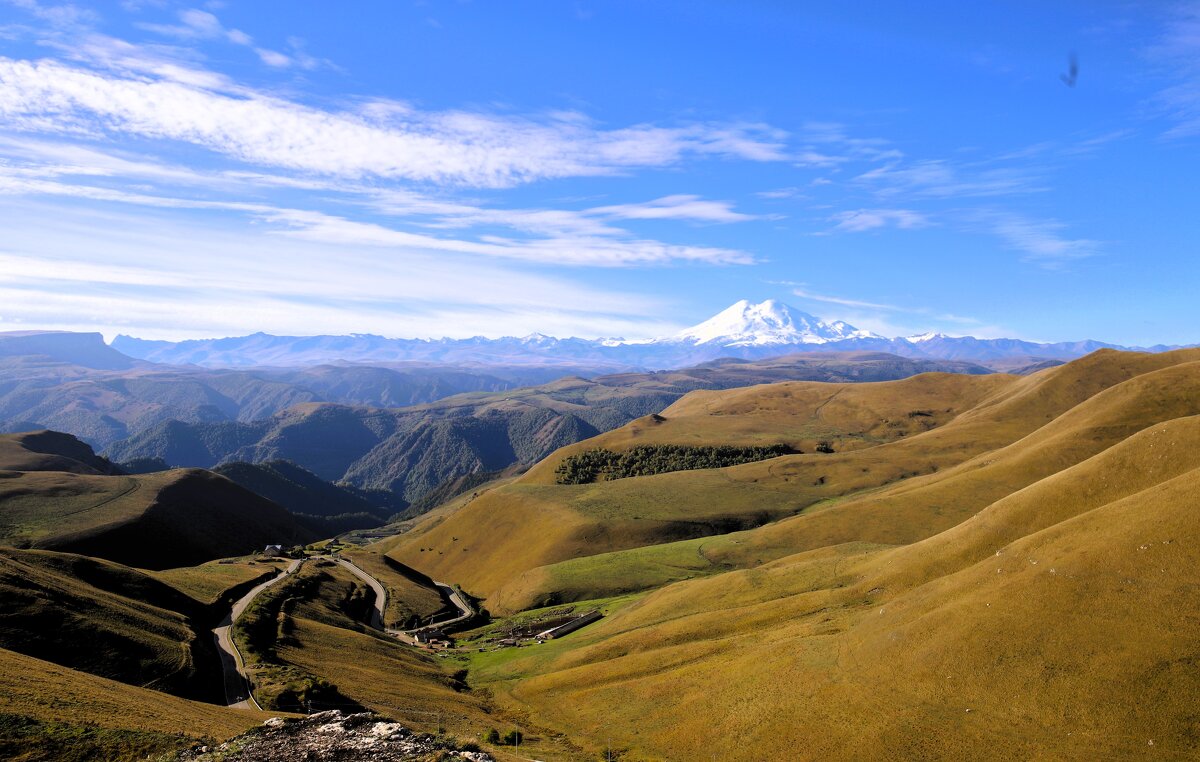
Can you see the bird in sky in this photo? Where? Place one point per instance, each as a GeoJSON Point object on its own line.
{"type": "Point", "coordinates": [1072, 72]}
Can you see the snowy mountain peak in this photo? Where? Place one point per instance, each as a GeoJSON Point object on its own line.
{"type": "Point", "coordinates": [925, 337]}
{"type": "Point", "coordinates": [770, 322]}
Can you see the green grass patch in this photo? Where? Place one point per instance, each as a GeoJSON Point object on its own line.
{"type": "Point", "coordinates": [32, 740]}
{"type": "Point", "coordinates": [492, 664]}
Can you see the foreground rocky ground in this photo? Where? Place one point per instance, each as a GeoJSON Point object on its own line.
{"type": "Point", "coordinates": [335, 737]}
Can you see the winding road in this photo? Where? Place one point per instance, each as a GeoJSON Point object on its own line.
{"type": "Point", "coordinates": [238, 690]}
{"type": "Point", "coordinates": [380, 592]}
{"type": "Point", "coordinates": [377, 615]}
{"type": "Point", "coordinates": [238, 693]}
{"type": "Point", "coordinates": [460, 603]}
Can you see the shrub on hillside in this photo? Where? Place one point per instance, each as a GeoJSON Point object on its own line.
{"type": "Point", "coordinates": [599, 464]}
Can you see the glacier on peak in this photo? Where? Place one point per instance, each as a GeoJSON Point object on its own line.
{"type": "Point", "coordinates": [770, 322]}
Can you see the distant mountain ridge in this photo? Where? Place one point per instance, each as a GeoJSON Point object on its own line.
{"type": "Point", "coordinates": [744, 330]}
{"type": "Point", "coordinates": [74, 382]}
{"type": "Point", "coordinates": [417, 450]}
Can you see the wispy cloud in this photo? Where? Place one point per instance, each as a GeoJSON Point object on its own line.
{"type": "Point", "coordinates": [195, 24]}
{"type": "Point", "coordinates": [679, 207]}
{"type": "Point", "coordinates": [57, 15]}
{"type": "Point", "coordinates": [943, 179]}
{"type": "Point", "coordinates": [859, 220]}
{"type": "Point", "coordinates": [581, 250]}
{"type": "Point", "coordinates": [1177, 50]}
{"type": "Point", "coordinates": [778, 193]}
{"type": "Point", "coordinates": [829, 144]}
{"type": "Point", "coordinates": [386, 140]}
{"type": "Point", "coordinates": [568, 239]}
{"type": "Point", "coordinates": [804, 293]}
{"type": "Point", "coordinates": [893, 320]}
{"type": "Point", "coordinates": [128, 272]}
{"type": "Point", "coordinates": [1042, 241]}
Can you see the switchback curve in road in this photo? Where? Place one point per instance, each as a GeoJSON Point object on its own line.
{"type": "Point", "coordinates": [238, 693]}
{"type": "Point", "coordinates": [377, 615]}
{"type": "Point", "coordinates": [380, 592]}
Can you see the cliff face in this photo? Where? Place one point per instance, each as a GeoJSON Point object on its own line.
{"type": "Point", "coordinates": [333, 736]}
{"type": "Point", "coordinates": [87, 350]}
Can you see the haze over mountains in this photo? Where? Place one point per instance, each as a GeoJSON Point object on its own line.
{"type": "Point", "coordinates": [414, 419]}
{"type": "Point", "coordinates": [744, 330]}
{"type": "Point", "coordinates": [414, 450]}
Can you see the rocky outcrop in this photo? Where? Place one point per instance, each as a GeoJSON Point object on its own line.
{"type": "Point", "coordinates": [335, 737]}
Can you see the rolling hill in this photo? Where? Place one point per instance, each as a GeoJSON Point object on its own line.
{"type": "Point", "coordinates": [105, 619]}
{"type": "Point", "coordinates": [55, 501]}
{"type": "Point", "coordinates": [412, 451]}
{"type": "Point", "coordinates": [1010, 576]}
{"type": "Point", "coordinates": [326, 508]}
{"type": "Point", "coordinates": [51, 712]}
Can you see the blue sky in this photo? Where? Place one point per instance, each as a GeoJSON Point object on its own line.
{"type": "Point", "coordinates": [175, 170]}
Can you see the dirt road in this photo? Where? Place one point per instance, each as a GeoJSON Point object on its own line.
{"type": "Point", "coordinates": [237, 681]}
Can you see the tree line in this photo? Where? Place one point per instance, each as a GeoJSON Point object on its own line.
{"type": "Point", "coordinates": [599, 464]}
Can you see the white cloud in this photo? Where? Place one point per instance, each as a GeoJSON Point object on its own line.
{"type": "Point", "coordinates": [790, 192]}
{"type": "Point", "coordinates": [806, 294]}
{"type": "Point", "coordinates": [173, 277]}
{"type": "Point", "coordinates": [273, 58]}
{"type": "Point", "coordinates": [202, 25]}
{"type": "Point", "coordinates": [569, 238]}
{"type": "Point", "coordinates": [1177, 51]}
{"type": "Point", "coordinates": [942, 179]}
{"type": "Point", "coordinates": [62, 16]}
{"type": "Point", "coordinates": [859, 220]}
{"type": "Point", "coordinates": [678, 207]}
{"type": "Point", "coordinates": [563, 250]}
{"type": "Point", "coordinates": [447, 147]}
{"type": "Point", "coordinates": [1041, 240]}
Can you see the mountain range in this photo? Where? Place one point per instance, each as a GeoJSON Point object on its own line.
{"type": "Point", "coordinates": [744, 330]}
{"type": "Point", "coordinates": [413, 451]}
{"type": "Point", "coordinates": [952, 565]}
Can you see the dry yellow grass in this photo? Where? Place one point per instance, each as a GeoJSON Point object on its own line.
{"type": "Point", "coordinates": [531, 524]}
{"type": "Point", "coordinates": [98, 617]}
{"type": "Point", "coordinates": [39, 689]}
{"type": "Point", "coordinates": [1016, 582]}
{"type": "Point", "coordinates": [408, 601]}
{"type": "Point", "coordinates": [1074, 642]}
{"type": "Point", "coordinates": [1033, 600]}
{"type": "Point", "coordinates": [799, 413]}
{"type": "Point", "coordinates": [381, 673]}
{"type": "Point", "coordinates": [208, 582]}
{"type": "Point", "coordinates": [156, 520]}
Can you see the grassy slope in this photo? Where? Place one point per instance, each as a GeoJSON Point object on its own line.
{"type": "Point", "coordinates": [298, 490]}
{"type": "Point", "coordinates": [49, 451]}
{"type": "Point", "coordinates": [411, 598]}
{"type": "Point", "coordinates": [574, 522]}
{"type": "Point", "coordinates": [212, 581]}
{"type": "Point", "coordinates": [321, 639]}
{"type": "Point", "coordinates": [153, 520]}
{"type": "Point", "coordinates": [83, 716]}
{"type": "Point", "coordinates": [533, 522]}
{"type": "Point", "coordinates": [418, 450]}
{"type": "Point", "coordinates": [102, 618]}
{"type": "Point", "coordinates": [1041, 607]}
{"type": "Point", "coordinates": [1067, 640]}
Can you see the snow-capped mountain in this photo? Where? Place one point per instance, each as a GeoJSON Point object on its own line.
{"type": "Point", "coordinates": [920, 337]}
{"type": "Point", "coordinates": [771, 322]}
{"type": "Point", "coordinates": [744, 331]}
